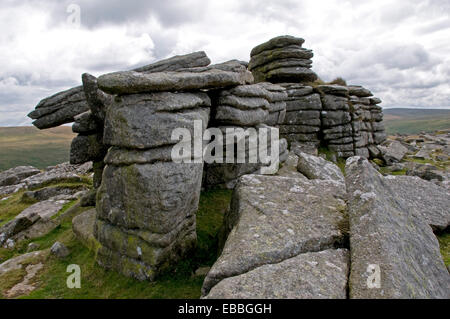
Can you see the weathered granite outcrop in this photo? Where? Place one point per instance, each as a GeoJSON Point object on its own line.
{"type": "Point", "coordinates": [275, 218]}
{"type": "Point", "coordinates": [394, 252]}
{"type": "Point", "coordinates": [146, 200]}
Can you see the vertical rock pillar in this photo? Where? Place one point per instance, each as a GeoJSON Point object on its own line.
{"type": "Point", "coordinates": [146, 203]}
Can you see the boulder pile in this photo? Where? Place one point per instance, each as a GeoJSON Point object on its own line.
{"type": "Point", "coordinates": [282, 59]}
{"type": "Point", "coordinates": [146, 200]}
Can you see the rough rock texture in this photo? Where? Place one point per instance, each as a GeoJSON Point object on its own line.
{"type": "Point", "coordinates": [228, 74]}
{"type": "Point", "coordinates": [428, 200]}
{"type": "Point", "coordinates": [393, 153]}
{"type": "Point", "coordinates": [83, 228]}
{"type": "Point", "coordinates": [63, 107]}
{"type": "Point", "coordinates": [52, 191]}
{"type": "Point", "coordinates": [44, 209]}
{"type": "Point", "coordinates": [86, 148]}
{"type": "Point", "coordinates": [191, 60]}
{"type": "Point", "coordinates": [316, 275]}
{"type": "Point", "coordinates": [225, 174]}
{"type": "Point", "coordinates": [51, 176]}
{"type": "Point", "coordinates": [282, 59]}
{"type": "Point", "coordinates": [385, 231]}
{"type": "Point", "coordinates": [142, 232]}
{"type": "Point", "coordinates": [17, 174]}
{"type": "Point", "coordinates": [273, 218]}
{"type": "Point", "coordinates": [145, 121]}
{"type": "Point", "coordinates": [60, 108]}
{"type": "Point", "coordinates": [315, 167]}
{"type": "Point", "coordinates": [302, 120]}
{"type": "Point", "coordinates": [59, 250]}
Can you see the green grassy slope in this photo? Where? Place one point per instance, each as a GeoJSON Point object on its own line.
{"type": "Point", "coordinates": [26, 145]}
{"type": "Point", "coordinates": [413, 121]}
{"type": "Point", "coordinates": [97, 282]}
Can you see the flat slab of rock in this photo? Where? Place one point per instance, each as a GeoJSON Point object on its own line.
{"type": "Point", "coordinates": [15, 175]}
{"type": "Point", "coordinates": [318, 275]}
{"type": "Point", "coordinates": [393, 153]}
{"type": "Point", "coordinates": [49, 177]}
{"type": "Point", "coordinates": [190, 79]}
{"type": "Point", "coordinates": [45, 209]}
{"type": "Point", "coordinates": [60, 108]}
{"type": "Point", "coordinates": [394, 251]}
{"type": "Point", "coordinates": [273, 218]}
{"type": "Point", "coordinates": [277, 42]}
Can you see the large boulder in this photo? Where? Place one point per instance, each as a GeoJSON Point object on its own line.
{"type": "Point", "coordinates": [274, 218]}
{"type": "Point", "coordinates": [147, 120]}
{"type": "Point", "coordinates": [316, 275]}
{"type": "Point", "coordinates": [394, 252]}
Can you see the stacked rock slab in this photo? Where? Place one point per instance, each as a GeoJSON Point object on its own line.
{"type": "Point", "coordinates": [336, 119]}
{"type": "Point", "coordinates": [366, 121]}
{"type": "Point", "coordinates": [243, 108]}
{"type": "Point", "coordinates": [277, 103]}
{"type": "Point", "coordinates": [88, 145]}
{"type": "Point", "coordinates": [62, 107]}
{"type": "Point", "coordinates": [302, 121]}
{"type": "Point", "coordinates": [147, 202]}
{"type": "Point", "coordinates": [282, 59]}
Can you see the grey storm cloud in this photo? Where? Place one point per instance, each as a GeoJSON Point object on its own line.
{"type": "Point", "coordinates": [96, 13]}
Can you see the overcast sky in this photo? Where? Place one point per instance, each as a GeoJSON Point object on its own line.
{"type": "Point", "coordinates": [399, 49]}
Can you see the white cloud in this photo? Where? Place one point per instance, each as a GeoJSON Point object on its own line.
{"type": "Point", "coordinates": [399, 50]}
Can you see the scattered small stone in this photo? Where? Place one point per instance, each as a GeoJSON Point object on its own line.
{"type": "Point", "coordinates": [59, 250]}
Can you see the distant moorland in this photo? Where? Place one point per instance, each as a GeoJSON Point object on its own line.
{"type": "Point", "coordinates": [26, 145]}
{"type": "Point", "coordinates": [412, 121]}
